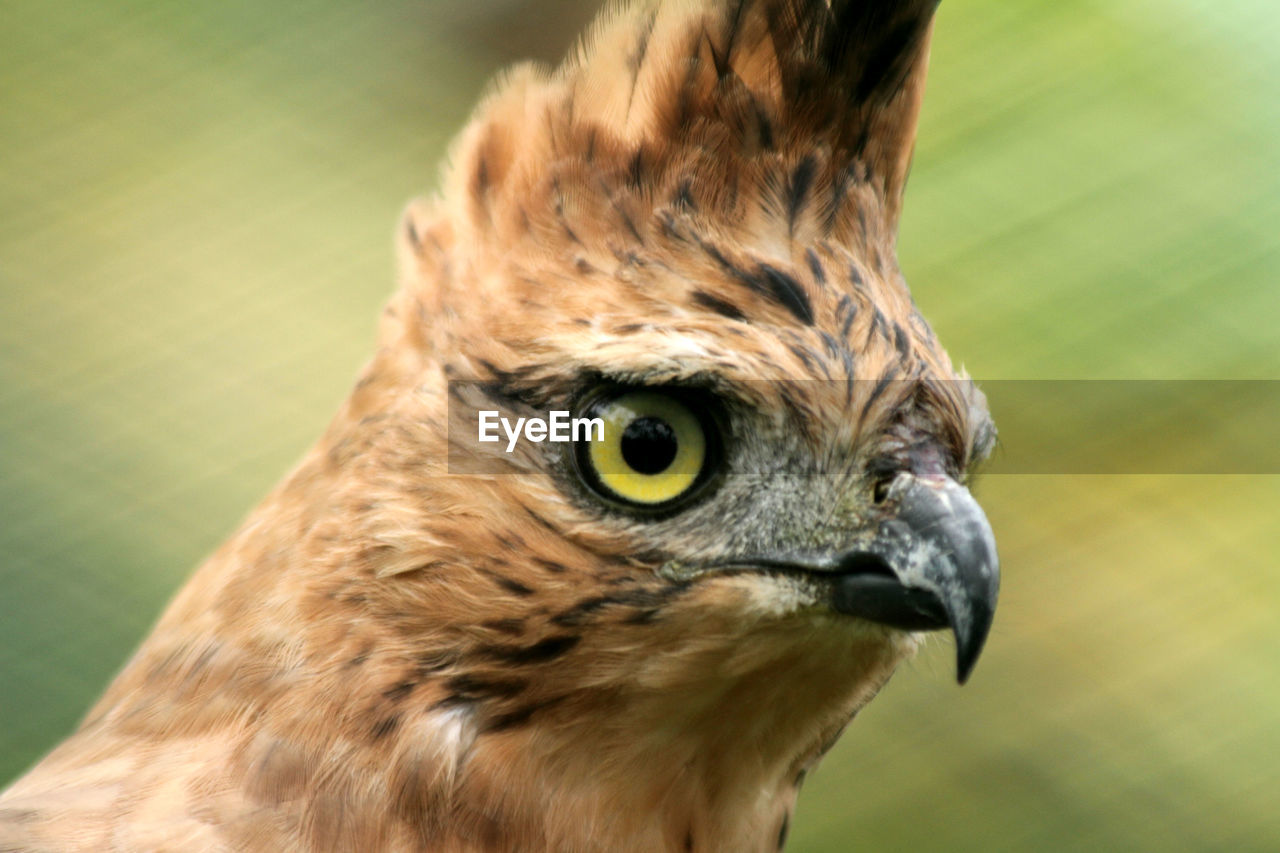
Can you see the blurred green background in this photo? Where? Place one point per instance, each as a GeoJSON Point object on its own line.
{"type": "Point", "coordinates": [196, 203]}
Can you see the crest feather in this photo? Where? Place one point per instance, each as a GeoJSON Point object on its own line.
{"type": "Point", "coordinates": [808, 107]}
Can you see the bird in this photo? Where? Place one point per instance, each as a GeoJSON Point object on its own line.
{"type": "Point", "coordinates": [638, 637]}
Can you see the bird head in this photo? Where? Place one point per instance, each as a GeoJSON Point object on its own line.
{"type": "Point", "coordinates": [687, 231]}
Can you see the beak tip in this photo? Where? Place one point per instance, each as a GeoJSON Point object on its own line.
{"type": "Point", "coordinates": [951, 552]}
{"type": "Point", "coordinates": [969, 644]}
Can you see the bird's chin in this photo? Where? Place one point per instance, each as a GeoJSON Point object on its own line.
{"type": "Point", "coordinates": [791, 617]}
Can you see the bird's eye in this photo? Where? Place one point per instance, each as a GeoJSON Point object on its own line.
{"type": "Point", "coordinates": [656, 450]}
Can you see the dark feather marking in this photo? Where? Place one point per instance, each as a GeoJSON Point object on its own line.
{"type": "Point", "coordinates": [631, 226]}
{"type": "Point", "coordinates": [846, 307]}
{"type": "Point", "coordinates": [515, 627]}
{"type": "Point", "coordinates": [468, 688]}
{"type": "Point", "coordinates": [509, 584]}
{"type": "Point", "coordinates": [900, 341]}
{"type": "Point", "coordinates": [511, 541]}
{"type": "Point", "coordinates": [399, 690]}
{"type": "Point", "coordinates": [518, 717]}
{"type": "Point", "coordinates": [800, 353]}
{"type": "Point", "coordinates": [798, 191]}
{"type": "Point", "coordinates": [793, 402]}
{"type": "Point", "coordinates": [832, 345]}
{"type": "Point", "coordinates": [783, 830]}
{"type": "Point", "coordinates": [579, 613]}
{"type": "Point", "coordinates": [510, 387]}
{"type": "Point", "coordinates": [538, 519]}
{"type": "Point", "coordinates": [856, 279]}
{"type": "Point", "coordinates": [385, 726]}
{"type": "Point", "coordinates": [878, 326]}
{"type": "Point", "coordinates": [880, 323]}
{"type": "Point", "coordinates": [764, 127]}
{"type": "Point", "coordinates": [720, 62]}
{"type": "Point", "coordinates": [683, 197]}
{"type": "Point", "coordinates": [636, 60]}
{"type": "Point", "coordinates": [551, 565]}
{"type": "Point", "coordinates": [724, 66]}
{"type": "Point", "coordinates": [870, 52]}
{"type": "Point", "coordinates": [886, 69]}
{"type": "Point", "coordinates": [730, 200]}
{"type": "Point", "coordinates": [583, 610]}
{"type": "Point", "coordinates": [881, 384]}
{"type": "Point", "coordinates": [768, 282]}
{"type": "Point", "coordinates": [718, 305]}
{"type": "Point", "coordinates": [815, 266]}
{"type": "Point", "coordinates": [540, 652]}
{"type": "Point", "coordinates": [635, 169]}
{"type": "Point", "coordinates": [713, 252]}
{"type": "Point", "coordinates": [839, 192]}
{"type": "Point", "coordinates": [788, 292]}
{"type": "Point", "coordinates": [643, 617]}
{"type": "Point", "coordinates": [877, 259]}
{"type": "Point", "coordinates": [559, 208]}
{"type": "Point", "coordinates": [670, 228]}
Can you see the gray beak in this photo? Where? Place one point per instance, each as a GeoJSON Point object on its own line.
{"type": "Point", "coordinates": [942, 566]}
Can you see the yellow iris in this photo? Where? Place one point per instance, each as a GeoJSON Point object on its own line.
{"type": "Point", "coordinates": [653, 448]}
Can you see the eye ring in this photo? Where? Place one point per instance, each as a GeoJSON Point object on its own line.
{"type": "Point", "coordinates": [659, 448]}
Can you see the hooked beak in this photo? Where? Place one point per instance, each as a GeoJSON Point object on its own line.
{"type": "Point", "coordinates": [930, 563]}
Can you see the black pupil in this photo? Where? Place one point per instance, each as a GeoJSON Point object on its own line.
{"type": "Point", "coordinates": [649, 445]}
